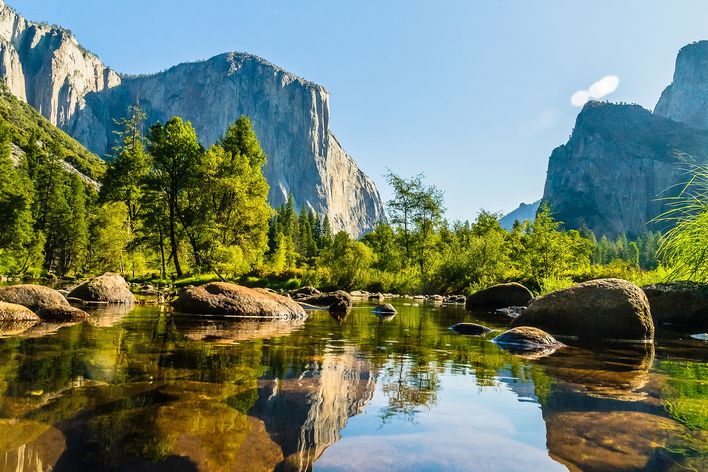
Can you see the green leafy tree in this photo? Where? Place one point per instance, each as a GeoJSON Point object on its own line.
{"type": "Point", "coordinates": [548, 252]}
{"type": "Point", "coordinates": [17, 241]}
{"type": "Point", "coordinates": [175, 153]}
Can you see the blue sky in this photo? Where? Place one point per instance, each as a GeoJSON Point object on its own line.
{"type": "Point", "coordinates": [475, 94]}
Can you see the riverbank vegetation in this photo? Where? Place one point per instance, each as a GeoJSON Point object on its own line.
{"type": "Point", "coordinates": [169, 209]}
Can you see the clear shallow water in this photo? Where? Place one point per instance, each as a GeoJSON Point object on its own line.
{"type": "Point", "coordinates": [141, 389]}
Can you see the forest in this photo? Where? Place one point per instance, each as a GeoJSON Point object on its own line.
{"type": "Point", "coordinates": [168, 209]}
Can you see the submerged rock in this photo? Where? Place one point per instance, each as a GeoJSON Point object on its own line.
{"type": "Point", "coordinates": [106, 288]}
{"type": "Point", "coordinates": [334, 301]}
{"type": "Point", "coordinates": [499, 296]}
{"type": "Point", "coordinates": [385, 309]}
{"type": "Point", "coordinates": [34, 297]}
{"type": "Point", "coordinates": [598, 310]}
{"type": "Point", "coordinates": [679, 303]}
{"type": "Point", "coordinates": [526, 338]}
{"type": "Point", "coordinates": [12, 312]}
{"type": "Point", "coordinates": [470, 328]}
{"type": "Point", "coordinates": [62, 314]}
{"type": "Point", "coordinates": [225, 299]}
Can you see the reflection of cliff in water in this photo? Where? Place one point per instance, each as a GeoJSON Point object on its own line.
{"type": "Point", "coordinates": [305, 413]}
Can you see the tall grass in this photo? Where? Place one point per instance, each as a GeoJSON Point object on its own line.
{"type": "Point", "coordinates": [684, 247]}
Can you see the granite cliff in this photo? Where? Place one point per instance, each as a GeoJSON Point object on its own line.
{"type": "Point", "coordinates": [622, 161]}
{"type": "Point", "coordinates": [46, 67]}
{"type": "Point", "coordinates": [686, 99]}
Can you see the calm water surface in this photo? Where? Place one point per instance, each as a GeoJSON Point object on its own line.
{"type": "Point", "coordinates": [142, 389]}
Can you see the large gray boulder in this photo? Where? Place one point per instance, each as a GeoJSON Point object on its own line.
{"type": "Point", "coordinates": [106, 288]}
{"type": "Point", "coordinates": [499, 296]}
{"type": "Point", "coordinates": [598, 310]}
{"type": "Point", "coordinates": [12, 312]}
{"type": "Point", "coordinates": [683, 304]}
{"type": "Point", "coordinates": [225, 299]}
{"type": "Point", "coordinates": [34, 297]}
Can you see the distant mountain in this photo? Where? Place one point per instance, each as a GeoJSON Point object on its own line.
{"type": "Point", "coordinates": [525, 212]}
{"type": "Point", "coordinates": [622, 161]}
{"type": "Point", "coordinates": [47, 67]}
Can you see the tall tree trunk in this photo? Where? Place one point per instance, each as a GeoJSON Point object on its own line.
{"type": "Point", "coordinates": [173, 239]}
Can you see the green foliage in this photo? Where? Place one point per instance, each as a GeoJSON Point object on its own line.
{"type": "Point", "coordinates": [685, 247]}
{"type": "Point", "coordinates": [641, 252]}
{"type": "Point", "coordinates": [187, 207]}
{"type": "Point", "coordinates": [547, 252]}
{"type": "Point", "coordinates": [27, 128]}
{"type": "Point", "coordinates": [346, 261]}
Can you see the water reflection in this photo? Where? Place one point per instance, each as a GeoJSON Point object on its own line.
{"type": "Point", "coordinates": [232, 331]}
{"type": "Point", "coordinates": [140, 389]}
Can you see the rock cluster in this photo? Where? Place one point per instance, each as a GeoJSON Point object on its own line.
{"type": "Point", "coordinates": [19, 303]}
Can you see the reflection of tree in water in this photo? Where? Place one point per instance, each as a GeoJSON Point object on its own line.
{"type": "Point", "coordinates": [410, 387]}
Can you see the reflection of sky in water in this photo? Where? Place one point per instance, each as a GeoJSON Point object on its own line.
{"type": "Point", "coordinates": [471, 428]}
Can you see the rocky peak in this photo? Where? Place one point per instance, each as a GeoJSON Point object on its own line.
{"type": "Point", "coordinates": [621, 161]}
{"type": "Point", "coordinates": [686, 99]}
{"type": "Point", "coordinates": [45, 66]}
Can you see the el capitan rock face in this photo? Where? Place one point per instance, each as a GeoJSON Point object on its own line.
{"type": "Point", "coordinates": [47, 67]}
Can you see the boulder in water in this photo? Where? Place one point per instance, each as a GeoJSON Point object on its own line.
{"type": "Point", "coordinates": [526, 338]}
{"type": "Point", "coordinates": [225, 299]}
{"type": "Point", "coordinates": [499, 296]}
{"type": "Point", "coordinates": [106, 288]}
{"type": "Point", "coordinates": [683, 304]}
{"type": "Point", "coordinates": [473, 329]}
{"type": "Point", "coordinates": [34, 297]}
{"type": "Point", "coordinates": [334, 301]}
{"type": "Point", "coordinates": [385, 309]}
{"type": "Point", "coordinates": [12, 312]}
{"type": "Point", "coordinates": [598, 310]}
